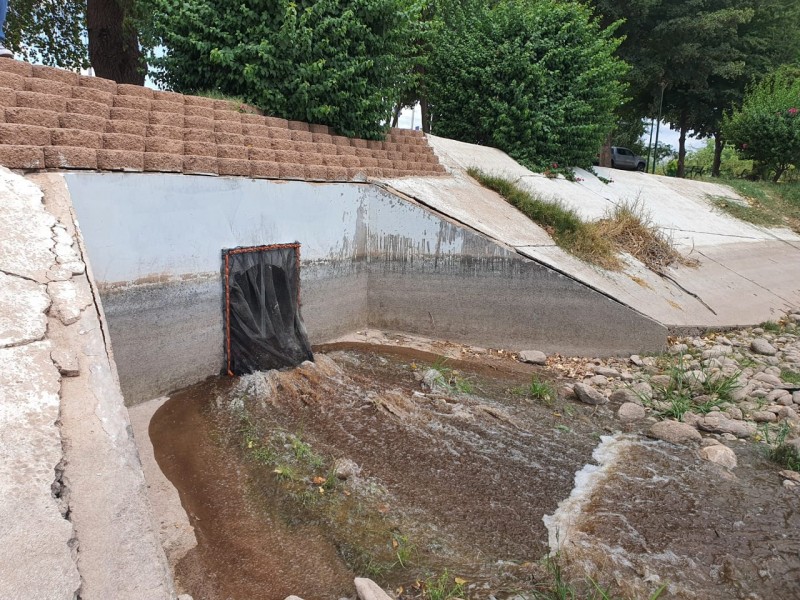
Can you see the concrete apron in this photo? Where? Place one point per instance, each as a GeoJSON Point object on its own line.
{"type": "Point", "coordinates": [76, 517]}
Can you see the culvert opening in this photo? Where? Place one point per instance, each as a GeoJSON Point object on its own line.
{"type": "Point", "coordinates": [263, 325]}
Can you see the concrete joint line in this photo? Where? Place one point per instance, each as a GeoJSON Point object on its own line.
{"type": "Point", "coordinates": [758, 285]}
{"type": "Point", "coordinates": [20, 276]}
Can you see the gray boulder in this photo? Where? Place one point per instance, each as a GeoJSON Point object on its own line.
{"type": "Point", "coordinates": [719, 454]}
{"type": "Point", "coordinates": [718, 423]}
{"type": "Point", "coordinates": [534, 357]}
{"type": "Point", "coordinates": [762, 346]}
{"type": "Point", "coordinates": [588, 395]}
{"type": "Point", "coordinates": [674, 432]}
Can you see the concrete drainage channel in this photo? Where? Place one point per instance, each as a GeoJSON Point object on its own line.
{"type": "Point", "coordinates": [143, 275]}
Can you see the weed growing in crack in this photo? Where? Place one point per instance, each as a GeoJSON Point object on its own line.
{"type": "Point", "coordinates": [451, 378]}
{"type": "Point", "coordinates": [790, 376]}
{"type": "Point", "coordinates": [443, 587]}
{"type": "Point", "coordinates": [780, 452]}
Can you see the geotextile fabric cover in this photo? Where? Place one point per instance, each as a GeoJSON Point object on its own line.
{"type": "Point", "coordinates": [262, 309]}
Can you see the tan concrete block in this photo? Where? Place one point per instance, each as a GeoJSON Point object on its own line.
{"type": "Point", "coordinates": [229, 139]}
{"type": "Point", "coordinates": [385, 164]}
{"type": "Point", "coordinates": [340, 140]}
{"type": "Point", "coordinates": [227, 115]}
{"type": "Point", "coordinates": [328, 149]}
{"type": "Point", "coordinates": [162, 145]}
{"type": "Point", "coordinates": [165, 96]}
{"type": "Point", "coordinates": [32, 116]}
{"type": "Point", "coordinates": [190, 110]}
{"type": "Point", "coordinates": [298, 126]}
{"type": "Point", "coordinates": [198, 135]}
{"type": "Point", "coordinates": [251, 119]}
{"type": "Point", "coordinates": [234, 167]}
{"type": "Point", "coordinates": [301, 136]}
{"type": "Point", "coordinates": [350, 161]}
{"type": "Point", "coordinates": [87, 107]}
{"type": "Point", "coordinates": [199, 101]}
{"type": "Point", "coordinates": [220, 104]}
{"type": "Point", "coordinates": [166, 107]}
{"type": "Point", "coordinates": [375, 144]}
{"type": "Point", "coordinates": [24, 135]}
{"type": "Point", "coordinates": [391, 155]}
{"type": "Point", "coordinates": [120, 160]}
{"type": "Point", "coordinates": [255, 141]}
{"type": "Point", "coordinates": [41, 101]}
{"type": "Point", "coordinates": [200, 165]}
{"type": "Point", "coordinates": [132, 102]}
{"type": "Point", "coordinates": [98, 83]}
{"type": "Point", "coordinates": [345, 150]}
{"type": "Point", "coordinates": [45, 86]}
{"type": "Point", "coordinates": [262, 155]}
{"type": "Point", "coordinates": [368, 161]}
{"type": "Point", "coordinates": [17, 67]}
{"type": "Point", "coordinates": [76, 138]}
{"type": "Point", "coordinates": [228, 126]}
{"type": "Point", "coordinates": [277, 144]}
{"type": "Point", "coordinates": [336, 173]}
{"type": "Point", "coordinates": [165, 131]}
{"type": "Point", "coordinates": [127, 127]}
{"type": "Point", "coordinates": [321, 138]}
{"type": "Point", "coordinates": [122, 141]}
{"type": "Point", "coordinates": [332, 160]}
{"type": "Point", "coordinates": [7, 98]}
{"type": "Point", "coordinates": [374, 172]}
{"type": "Point", "coordinates": [68, 157]}
{"type": "Point", "coordinates": [21, 157]}
{"type": "Point", "coordinates": [312, 158]}
{"type": "Point", "coordinates": [255, 130]}
{"type": "Point", "coordinates": [358, 143]}
{"type": "Point", "coordinates": [85, 122]}
{"type": "Point", "coordinates": [53, 74]}
{"type": "Point", "coordinates": [287, 157]}
{"type": "Point", "coordinates": [292, 171]}
{"type": "Point", "coordinates": [305, 146]}
{"type": "Point", "coordinates": [129, 114]}
{"type": "Point", "coordinates": [363, 152]}
{"type": "Point", "coordinates": [163, 162]}
{"type": "Point", "coordinates": [87, 93]}
{"type": "Point", "coordinates": [319, 129]}
{"type": "Point", "coordinates": [276, 122]}
{"type": "Point", "coordinates": [379, 154]}
{"type": "Point", "coordinates": [125, 89]}
{"type": "Point", "coordinates": [315, 172]}
{"type": "Point", "coordinates": [198, 123]}
{"type": "Point", "coordinates": [167, 118]}
{"type": "Point", "coordinates": [232, 152]}
{"type": "Point", "coordinates": [355, 173]}
{"type": "Point", "coordinates": [200, 149]}
{"type": "Point", "coordinates": [276, 133]}
{"type": "Point", "coordinates": [12, 81]}
{"type": "Point", "coordinates": [260, 169]}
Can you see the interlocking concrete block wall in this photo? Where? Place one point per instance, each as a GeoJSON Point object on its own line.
{"type": "Point", "coordinates": [56, 119]}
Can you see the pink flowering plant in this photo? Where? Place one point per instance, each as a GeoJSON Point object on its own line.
{"type": "Point", "coordinates": [766, 128]}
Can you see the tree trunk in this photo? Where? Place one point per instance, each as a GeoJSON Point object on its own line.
{"type": "Point", "coordinates": [719, 144]}
{"type": "Point", "coordinates": [779, 170]}
{"type": "Point", "coordinates": [396, 114]}
{"type": "Point", "coordinates": [682, 144]}
{"type": "Point", "coordinates": [113, 44]}
{"type": "Point", "coordinates": [426, 116]}
{"type": "Point", "coordinates": [605, 152]}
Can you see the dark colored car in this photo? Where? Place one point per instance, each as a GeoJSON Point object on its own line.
{"type": "Point", "coordinates": [622, 158]}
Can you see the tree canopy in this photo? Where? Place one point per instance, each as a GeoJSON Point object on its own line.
{"type": "Point", "coordinates": [537, 79]}
{"type": "Point", "coordinates": [334, 62]}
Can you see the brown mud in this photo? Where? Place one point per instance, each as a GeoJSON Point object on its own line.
{"type": "Point", "coordinates": [456, 481]}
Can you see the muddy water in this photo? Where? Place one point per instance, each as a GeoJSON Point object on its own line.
{"type": "Point", "coordinates": [463, 481]}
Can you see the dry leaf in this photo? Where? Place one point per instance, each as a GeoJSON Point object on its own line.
{"type": "Point", "coordinates": [319, 480]}
{"type": "Point", "coordinates": [460, 581]}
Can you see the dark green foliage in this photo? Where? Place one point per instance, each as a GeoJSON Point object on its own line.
{"type": "Point", "coordinates": [334, 62]}
{"type": "Point", "coordinates": [536, 79]}
{"type": "Point", "coordinates": [767, 127]}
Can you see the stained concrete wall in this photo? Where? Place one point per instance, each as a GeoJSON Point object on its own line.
{"type": "Point", "coordinates": [369, 258]}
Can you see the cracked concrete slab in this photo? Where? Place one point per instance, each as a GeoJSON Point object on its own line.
{"type": "Point", "coordinates": [23, 304]}
{"type": "Point", "coordinates": [36, 541]}
{"type": "Point", "coordinates": [26, 237]}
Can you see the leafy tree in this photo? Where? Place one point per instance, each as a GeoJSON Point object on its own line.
{"type": "Point", "coordinates": [535, 78]}
{"type": "Point", "coordinates": [335, 62]}
{"type": "Point", "coordinates": [767, 127]}
{"type": "Point", "coordinates": [74, 34]}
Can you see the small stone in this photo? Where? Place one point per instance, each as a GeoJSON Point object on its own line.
{"type": "Point", "coordinates": [796, 397]}
{"type": "Point", "coordinates": [718, 423]}
{"type": "Point", "coordinates": [636, 360]}
{"type": "Point", "coordinates": [623, 395]}
{"type": "Point", "coordinates": [758, 331]}
{"type": "Point", "coordinates": [691, 418]}
{"type": "Point", "coordinates": [791, 475]}
{"type": "Point", "coordinates": [789, 484]}
{"type": "Point", "coordinates": [777, 394]}
{"type": "Point", "coordinates": [185, 597]}
{"type": "Point", "coordinates": [344, 468]}
{"type": "Point", "coordinates": [719, 454]}
{"type": "Point", "coordinates": [605, 371]}
{"type": "Point", "coordinates": [534, 357]}
{"type": "Point", "coordinates": [716, 352]}
{"type": "Point", "coordinates": [433, 379]}
{"type": "Point", "coordinates": [768, 379]}
{"type": "Point", "coordinates": [588, 395]}
{"type": "Point", "coordinates": [734, 413]}
{"type": "Point", "coordinates": [369, 590]}
{"type": "Point", "coordinates": [678, 349]}
{"type": "Point", "coordinates": [596, 380]}
{"type": "Point", "coordinates": [795, 443]}
{"type": "Point", "coordinates": [674, 432]}
{"type": "Point", "coordinates": [76, 268]}
{"type": "Point", "coordinates": [729, 436]}
{"type": "Point", "coordinates": [762, 346]}
{"type": "Point", "coordinates": [566, 392]}
{"type": "Point", "coordinates": [630, 412]}
{"type": "Point", "coordinates": [66, 362]}
{"type": "Point", "coordinates": [764, 416]}
{"type": "Point", "coordinates": [644, 390]}
{"type": "Point", "coordinates": [661, 381]}
{"type": "Point", "coordinates": [709, 441]}
{"type": "Point", "coordinates": [788, 413]}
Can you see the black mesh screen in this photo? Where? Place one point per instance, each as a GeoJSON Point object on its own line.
{"type": "Point", "coordinates": [262, 309]}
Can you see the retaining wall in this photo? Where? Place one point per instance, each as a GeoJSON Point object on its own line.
{"type": "Point", "coordinates": [368, 259]}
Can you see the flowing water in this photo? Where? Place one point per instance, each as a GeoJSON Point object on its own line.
{"type": "Point", "coordinates": [477, 478]}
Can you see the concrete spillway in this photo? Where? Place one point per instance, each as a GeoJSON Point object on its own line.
{"type": "Point", "coordinates": [369, 258]}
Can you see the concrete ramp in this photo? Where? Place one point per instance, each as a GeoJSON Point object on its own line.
{"type": "Point", "coordinates": [747, 274]}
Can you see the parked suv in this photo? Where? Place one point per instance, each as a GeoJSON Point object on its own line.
{"type": "Point", "coordinates": [622, 158]}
